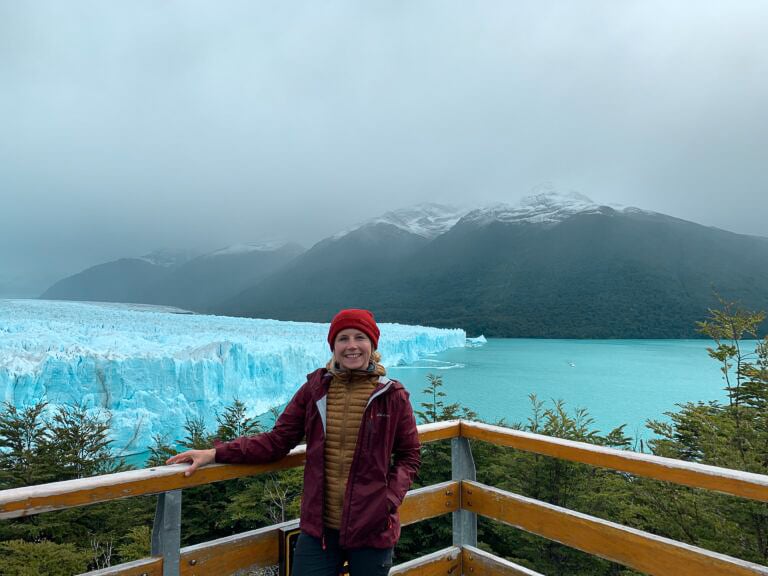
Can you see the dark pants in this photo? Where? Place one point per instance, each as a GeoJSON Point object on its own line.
{"type": "Point", "coordinates": [309, 558]}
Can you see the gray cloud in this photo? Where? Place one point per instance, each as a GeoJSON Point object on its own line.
{"type": "Point", "coordinates": [136, 125]}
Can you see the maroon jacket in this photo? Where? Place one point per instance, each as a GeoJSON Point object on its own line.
{"type": "Point", "coordinates": [386, 459]}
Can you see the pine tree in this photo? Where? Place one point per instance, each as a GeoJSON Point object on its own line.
{"type": "Point", "coordinates": [22, 434]}
{"type": "Point", "coordinates": [432, 410]}
{"type": "Point", "coordinates": [234, 422]}
{"type": "Point", "coordinates": [77, 443]}
{"type": "Point", "coordinates": [159, 451]}
{"type": "Point", "coordinates": [197, 437]}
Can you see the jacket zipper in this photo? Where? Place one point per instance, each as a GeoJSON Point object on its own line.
{"type": "Point", "coordinates": [369, 431]}
{"type": "Point", "coordinates": [322, 492]}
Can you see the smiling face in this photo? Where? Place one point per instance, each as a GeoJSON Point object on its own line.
{"type": "Point", "coordinates": [352, 349]}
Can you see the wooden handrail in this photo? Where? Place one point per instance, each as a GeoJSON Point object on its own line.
{"type": "Point", "coordinates": [60, 495]}
{"type": "Point", "coordinates": [639, 550]}
{"type": "Point", "coordinates": [735, 482]}
{"type": "Point", "coordinates": [144, 567]}
{"type": "Point", "coordinates": [84, 491]}
{"type": "Point", "coordinates": [439, 431]}
{"type": "Point", "coordinates": [444, 562]}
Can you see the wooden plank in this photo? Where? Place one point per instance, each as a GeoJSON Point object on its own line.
{"type": "Point", "coordinates": [430, 501]}
{"type": "Point", "coordinates": [481, 563]}
{"type": "Point", "coordinates": [84, 491]}
{"type": "Point", "coordinates": [634, 548]}
{"type": "Point", "coordinates": [232, 553]}
{"type": "Point", "coordinates": [143, 567]}
{"type": "Point", "coordinates": [440, 563]}
{"type": "Point", "coordinates": [439, 431]}
{"type": "Point", "coordinates": [735, 482]}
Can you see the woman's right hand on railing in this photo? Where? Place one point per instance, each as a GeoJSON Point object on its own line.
{"type": "Point", "coordinates": [197, 458]}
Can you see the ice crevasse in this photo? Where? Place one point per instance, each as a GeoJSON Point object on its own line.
{"type": "Point", "coordinates": [152, 368]}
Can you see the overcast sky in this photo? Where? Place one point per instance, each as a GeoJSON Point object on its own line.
{"type": "Point", "coordinates": [135, 125]}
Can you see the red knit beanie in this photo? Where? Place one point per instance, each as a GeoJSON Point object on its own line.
{"type": "Point", "coordinates": [354, 318]}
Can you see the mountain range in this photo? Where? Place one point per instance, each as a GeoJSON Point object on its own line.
{"type": "Point", "coordinates": [182, 279]}
{"type": "Point", "coordinates": [554, 265]}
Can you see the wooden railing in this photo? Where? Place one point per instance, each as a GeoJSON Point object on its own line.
{"type": "Point", "coordinates": [462, 496]}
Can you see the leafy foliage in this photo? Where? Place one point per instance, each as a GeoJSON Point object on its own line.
{"type": "Point", "coordinates": [23, 438]}
{"type": "Point", "coordinates": [437, 410]}
{"type": "Point", "coordinates": [234, 422]}
{"type": "Point", "coordinates": [136, 544]}
{"type": "Point", "coordinates": [38, 445]}
{"type": "Point", "coordinates": [20, 558]}
{"type": "Point", "coordinates": [160, 451]}
{"type": "Point", "coordinates": [197, 437]}
{"type": "Point", "coordinates": [732, 435]}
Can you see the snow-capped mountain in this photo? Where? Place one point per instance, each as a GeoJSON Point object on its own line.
{"type": "Point", "coordinates": [171, 277]}
{"type": "Point", "coordinates": [545, 206]}
{"type": "Point", "coordinates": [552, 265]}
{"type": "Point", "coordinates": [555, 265]}
{"type": "Point", "coordinates": [168, 258]}
{"type": "Point", "coordinates": [220, 274]}
{"type": "Point", "coordinates": [237, 249]}
{"type": "Point", "coordinates": [427, 220]}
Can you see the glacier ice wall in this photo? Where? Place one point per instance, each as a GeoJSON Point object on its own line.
{"type": "Point", "coordinates": [152, 368]}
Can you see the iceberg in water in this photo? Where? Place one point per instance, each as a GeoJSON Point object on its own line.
{"type": "Point", "coordinates": [152, 368]}
{"type": "Point", "coordinates": [476, 342]}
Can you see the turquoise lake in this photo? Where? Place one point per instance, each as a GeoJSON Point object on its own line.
{"type": "Point", "coordinates": [618, 381]}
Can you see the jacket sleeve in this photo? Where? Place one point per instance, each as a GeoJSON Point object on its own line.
{"type": "Point", "coordinates": [273, 445]}
{"type": "Point", "coordinates": [406, 455]}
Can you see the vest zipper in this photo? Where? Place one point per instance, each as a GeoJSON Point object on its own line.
{"type": "Point", "coordinates": [355, 458]}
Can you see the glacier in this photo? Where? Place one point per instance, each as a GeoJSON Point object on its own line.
{"type": "Point", "coordinates": [152, 368]}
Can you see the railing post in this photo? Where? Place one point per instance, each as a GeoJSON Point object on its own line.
{"type": "Point", "coordinates": [463, 468]}
{"type": "Point", "coordinates": [166, 531]}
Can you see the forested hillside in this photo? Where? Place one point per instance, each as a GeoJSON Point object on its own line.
{"type": "Point", "coordinates": [603, 274]}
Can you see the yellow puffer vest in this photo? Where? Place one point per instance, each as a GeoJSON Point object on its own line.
{"type": "Point", "coordinates": [346, 402]}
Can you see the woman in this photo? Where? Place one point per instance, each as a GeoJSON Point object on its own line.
{"type": "Point", "coordinates": [362, 454]}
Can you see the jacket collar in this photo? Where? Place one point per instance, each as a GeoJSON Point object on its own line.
{"type": "Point", "coordinates": [320, 380]}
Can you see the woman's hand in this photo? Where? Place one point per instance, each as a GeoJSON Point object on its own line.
{"type": "Point", "coordinates": [197, 458]}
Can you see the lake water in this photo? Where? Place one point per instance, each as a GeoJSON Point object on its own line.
{"type": "Point", "coordinates": [618, 381]}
